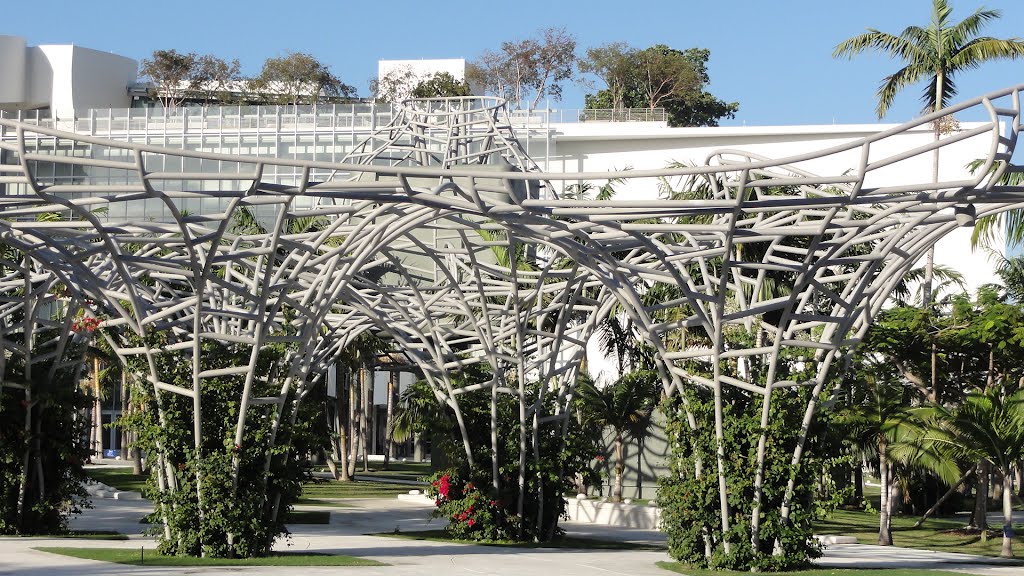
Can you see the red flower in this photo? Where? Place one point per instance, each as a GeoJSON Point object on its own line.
{"type": "Point", "coordinates": [494, 502]}
{"type": "Point", "coordinates": [599, 457]}
{"type": "Point", "coordinates": [443, 485]}
{"type": "Point", "coordinates": [469, 486]}
{"type": "Point", "coordinates": [471, 522]}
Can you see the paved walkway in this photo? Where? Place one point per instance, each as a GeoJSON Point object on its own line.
{"type": "Point", "coordinates": [347, 534]}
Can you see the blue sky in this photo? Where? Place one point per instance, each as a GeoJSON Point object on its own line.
{"type": "Point", "coordinates": [774, 57]}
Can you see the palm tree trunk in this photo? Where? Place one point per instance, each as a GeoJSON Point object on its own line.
{"type": "Point", "coordinates": [97, 411]}
{"type": "Point", "coordinates": [620, 464]}
{"type": "Point", "coordinates": [949, 493]}
{"type": "Point", "coordinates": [389, 445]}
{"type": "Point", "coordinates": [354, 415]}
{"type": "Point", "coordinates": [980, 519]}
{"type": "Point", "coordinates": [364, 438]}
{"type": "Point", "coordinates": [1007, 551]}
{"type": "Point", "coordinates": [884, 520]}
{"type": "Point", "coordinates": [339, 445]}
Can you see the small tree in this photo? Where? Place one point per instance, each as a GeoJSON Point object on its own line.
{"type": "Point", "coordinates": [172, 72]}
{"type": "Point", "coordinates": [536, 65]}
{"type": "Point", "coordinates": [988, 426]}
{"type": "Point", "coordinates": [664, 74]}
{"type": "Point", "coordinates": [299, 78]}
{"type": "Point", "coordinates": [441, 85]}
{"type": "Point", "coordinates": [214, 77]}
{"type": "Point", "coordinates": [393, 86]}
{"type": "Point", "coordinates": [658, 76]}
{"type": "Point", "coordinates": [613, 63]}
{"type": "Point", "coordinates": [626, 407]}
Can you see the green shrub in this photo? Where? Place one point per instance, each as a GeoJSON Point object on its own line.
{"type": "Point", "coordinates": [690, 504]}
{"type": "Point", "coordinates": [203, 506]}
{"type": "Point", "coordinates": [42, 463]}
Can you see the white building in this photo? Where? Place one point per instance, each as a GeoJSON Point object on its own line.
{"type": "Point", "coordinates": [62, 78]}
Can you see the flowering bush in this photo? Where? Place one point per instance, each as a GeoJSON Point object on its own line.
{"type": "Point", "coordinates": [86, 324]}
{"type": "Point", "coordinates": [473, 511]}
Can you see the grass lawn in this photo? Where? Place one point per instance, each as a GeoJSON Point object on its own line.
{"type": "Point", "coordinates": [321, 488]}
{"type": "Point", "coordinates": [563, 542]}
{"type": "Point", "coordinates": [79, 535]}
{"type": "Point", "coordinates": [935, 534]}
{"type": "Point", "coordinates": [405, 470]}
{"type": "Point", "coordinates": [318, 502]}
{"type": "Point", "coordinates": [118, 477]}
{"type": "Point", "coordinates": [681, 568]}
{"type": "Point", "coordinates": [136, 557]}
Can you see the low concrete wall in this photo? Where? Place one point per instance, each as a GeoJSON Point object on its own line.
{"type": "Point", "coordinates": [613, 514]}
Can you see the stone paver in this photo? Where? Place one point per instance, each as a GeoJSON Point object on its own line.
{"type": "Point", "coordinates": [347, 533]}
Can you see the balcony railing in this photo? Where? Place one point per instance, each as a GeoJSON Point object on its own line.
{"type": "Point", "coordinates": [323, 118]}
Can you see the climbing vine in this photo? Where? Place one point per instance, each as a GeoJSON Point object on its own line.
{"type": "Point", "coordinates": [203, 506]}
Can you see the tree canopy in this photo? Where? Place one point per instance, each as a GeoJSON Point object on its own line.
{"type": "Point", "coordinates": [440, 85]}
{"type": "Point", "coordinates": [658, 76]}
{"type": "Point", "coordinates": [536, 66]}
{"type": "Point", "coordinates": [936, 52]}
{"type": "Point", "coordinates": [178, 76]}
{"type": "Point", "coordinates": [299, 78]}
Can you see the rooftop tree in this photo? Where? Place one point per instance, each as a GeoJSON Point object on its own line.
{"type": "Point", "coordinates": [655, 77]}
{"type": "Point", "coordinates": [299, 78]}
{"type": "Point", "coordinates": [536, 66]}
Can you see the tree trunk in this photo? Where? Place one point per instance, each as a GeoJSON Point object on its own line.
{"type": "Point", "coordinates": [858, 482]}
{"type": "Point", "coordinates": [340, 444]}
{"type": "Point", "coordinates": [1007, 551]}
{"type": "Point", "coordinates": [620, 463]}
{"type": "Point", "coordinates": [884, 522]}
{"type": "Point", "coordinates": [389, 445]}
{"type": "Point", "coordinates": [364, 431]}
{"type": "Point", "coordinates": [952, 490]}
{"type": "Point", "coordinates": [354, 416]}
{"type": "Point", "coordinates": [1018, 471]}
{"type": "Point", "coordinates": [97, 411]}
{"type": "Point", "coordinates": [124, 412]}
{"type": "Point", "coordinates": [979, 521]}
{"type": "Point", "coordinates": [417, 447]}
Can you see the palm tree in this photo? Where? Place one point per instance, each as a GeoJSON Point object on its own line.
{"type": "Point", "coordinates": [625, 406]}
{"type": "Point", "coordinates": [875, 424]}
{"type": "Point", "coordinates": [936, 52]}
{"type": "Point", "coordinates": [987, 426]}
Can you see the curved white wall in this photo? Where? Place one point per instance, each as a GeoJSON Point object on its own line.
{"type": "Point", "coordinates": [13, 63]}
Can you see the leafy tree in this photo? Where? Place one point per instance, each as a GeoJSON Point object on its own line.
{"type": "Point", "coordinates": [173, 74]}
{"type": "Point", "coordinates": [179, 77]}
{"type": "Point", "coordinates": [299, 78]}
{"type": "Point", "coordinates": [613, 63]}
{"type": "Point", "coordinates": [536, 66]}
{"type": "Point", "coordinates": [215, 77]}
{"type": "Point", "coordinates": [656, 76]}
{"type": "Point", "coordinates": [625, 406]}
{"type": "Point", "coordinates": [440, 85]}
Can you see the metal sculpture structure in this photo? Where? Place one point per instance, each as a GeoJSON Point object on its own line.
{"type": "Point", "coordinates": [440, 233]}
